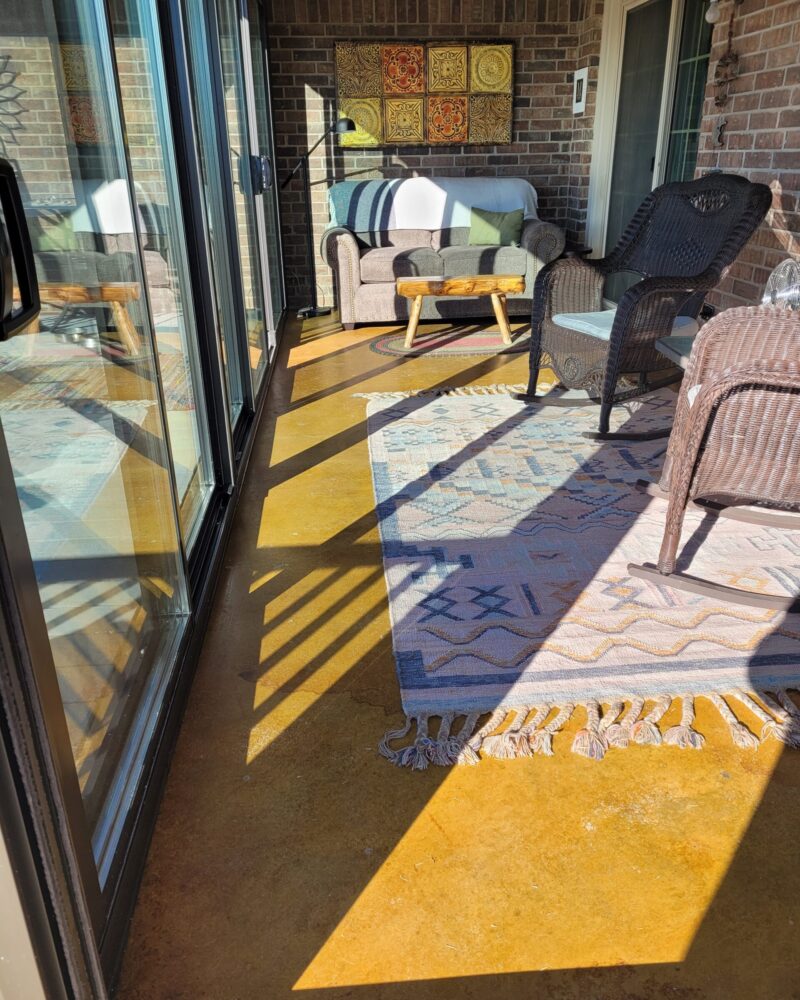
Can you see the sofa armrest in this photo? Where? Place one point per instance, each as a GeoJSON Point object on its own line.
{"type": "Point", "coordinates": [543, 242]}
{"type": "Point", "coordinates": [339, 248]}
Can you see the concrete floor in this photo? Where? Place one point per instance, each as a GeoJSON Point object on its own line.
{"type": "Point", "coordinates": [289, 859]}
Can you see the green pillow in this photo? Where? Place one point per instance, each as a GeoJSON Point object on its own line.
{"type": "Point", "coordinates": [495, 229]}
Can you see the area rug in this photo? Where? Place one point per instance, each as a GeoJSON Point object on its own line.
{"type": "Point", "coordinates": [62, 458]}
{"type": "Point", "coordinates": [44, 380]}
{"type": "Point", "coordinates": [506, 537]}
{"type": "Point", "coordinates": [456, 342]}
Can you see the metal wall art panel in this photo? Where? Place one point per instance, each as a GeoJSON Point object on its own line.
{"type": "Point", "coordinates": [443, 93]}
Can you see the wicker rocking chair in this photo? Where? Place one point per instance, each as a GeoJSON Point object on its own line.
{"type": "Point", "coordinates": [734, 450]}
{"type": "Point", "coordinates": [679, 241]}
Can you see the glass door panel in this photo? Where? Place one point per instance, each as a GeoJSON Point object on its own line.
{"type": "Point", "coordinates": [137, 47]}
{"type": "Point", "coordinates": [640, 94]}
{"type": "Point", "coordinates": [258, 49]}
{"type": "Point", "coordinates": [81, 407]}
{"type": "Point", "coordinates": [204, 71]}
{"type": "Point", "coordinates": [241, 149]}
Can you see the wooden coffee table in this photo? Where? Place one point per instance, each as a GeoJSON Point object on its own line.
{"type": "Point", "coordinates": [495, 285]}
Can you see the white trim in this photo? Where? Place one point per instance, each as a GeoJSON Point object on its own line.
{"type": "Point", "coordinates": [605, 123]}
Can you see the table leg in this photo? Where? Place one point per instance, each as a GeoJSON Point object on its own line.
{"type": "Point", "coordinates": [128, 334]}
{"type": "Point", "coordinates": [499, 306]}
{"type": "Point", "coordinates": [413, 320]}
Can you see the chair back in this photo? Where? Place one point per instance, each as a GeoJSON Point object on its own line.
{"type": "Point", "coordinates": [684, 228]}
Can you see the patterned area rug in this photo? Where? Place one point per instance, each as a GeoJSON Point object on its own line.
{"type": "Point", "coordinates": [506, 538]}
{"type": "Point", "coordinates": [457, 342]}
{"type": "Point", "coordinates": [45, 378]}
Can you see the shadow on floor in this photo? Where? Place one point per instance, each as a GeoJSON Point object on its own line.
{"type": "Point", "coordinates": [265, 842]}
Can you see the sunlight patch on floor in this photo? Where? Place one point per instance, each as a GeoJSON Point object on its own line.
{"type": "Point", "coordinates": [315, 654]}
{"type": "Point", "coordinates": [489, 879]}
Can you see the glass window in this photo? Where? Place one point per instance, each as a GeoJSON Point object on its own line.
{"type": "Point", "coordinates": [79, 402]}
{"type": "Point", "coordinates": [690, 88]}
{"type": "Point", "coordinates": [137, 47]}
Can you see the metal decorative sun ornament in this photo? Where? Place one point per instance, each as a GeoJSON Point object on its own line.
{"type": "Point", "coordinates": [10, 108]}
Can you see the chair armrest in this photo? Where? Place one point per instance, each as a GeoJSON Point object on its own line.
{"type": "Point", "coordinates": [339, 248]}
{"type": "Point", "coordinates": [568, 284]}
{"type": "Point", "coordinates": [542, 240]}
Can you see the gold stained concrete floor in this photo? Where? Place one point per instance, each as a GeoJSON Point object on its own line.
{"type": "Point", "coordinates": [290, 860]}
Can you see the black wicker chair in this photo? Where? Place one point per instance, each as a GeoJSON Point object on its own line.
{"type": "Point", "coordinates": [679, 242]}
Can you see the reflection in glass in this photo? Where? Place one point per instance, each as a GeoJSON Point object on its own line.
{"type": "Point", "coordinates": [79, 404]}
{"type": "Point", "coordinates": [215, 197]}
{"type": "Point", "coordinates": [690, 86]}
{"type": "Point", "coordinates": [137, 48]}
{"type": "Point", "coordinates": [244, 199]}
{"type": "Point", "coordinates": [255, 16]}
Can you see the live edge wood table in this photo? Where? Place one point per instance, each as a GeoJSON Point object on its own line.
{"type": "Point", "coordinates": [495, 285]}
{"type": "Point", "coordinates": [116, 294]}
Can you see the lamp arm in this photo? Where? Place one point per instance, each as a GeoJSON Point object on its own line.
{"type": "Point", "coordinates": [306, 155]}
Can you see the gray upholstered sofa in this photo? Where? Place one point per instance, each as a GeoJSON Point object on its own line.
{"type": "Point", "coordinates": [383, 230]}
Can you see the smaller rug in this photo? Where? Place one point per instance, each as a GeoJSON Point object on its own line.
{"type": "Point", "coordinates": [461, 341]}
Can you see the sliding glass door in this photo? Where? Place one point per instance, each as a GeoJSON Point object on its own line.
{"type": "Point", "coordinates": [226, 45]}
{"type": "Point", "coordinates": [82, 410]}
{"type": "Point", "coordinates": [137, 49]}
{"type": "Point", "coordinates": [140, 294]}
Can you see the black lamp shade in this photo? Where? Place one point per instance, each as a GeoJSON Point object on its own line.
{"type": "Point", "coordinates": [344, 125]}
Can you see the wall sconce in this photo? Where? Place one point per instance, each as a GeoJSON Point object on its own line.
{"type": "Point", "coordinates": [713, 14]}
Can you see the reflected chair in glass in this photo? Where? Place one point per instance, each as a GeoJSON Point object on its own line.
{"type": "Point", "coordinates": [734, 450]}
{"type": "Point", "coordinates": [678, 244]}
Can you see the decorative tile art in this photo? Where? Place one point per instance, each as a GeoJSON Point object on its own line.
{"type": "Point", "coordinates": [367, 114]}
{"type": "Point", "coordinates": [447, 69]}
{"type": "Point", "coordinates": [443, 93]}
{"type": "Point", "coordinates": [404, 119]}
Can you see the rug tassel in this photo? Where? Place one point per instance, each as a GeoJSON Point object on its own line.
{"type": "Point", "coordinates": [511, 743]}
{"type": "Point", "coordinates": [395, 734]}
{"type": "Point", "coordinates": [420, 753]}
{"type": "Point", "coordinates": [495, 720]}
{"type": "Point", "coordinates": [460, 750]}
{"type": "Point", "coordinates": [740, 734]}
{"type": "Point", "coordinates": [685, 735]}
{"type": "Point", "coordinates": [786, 729]}
{"type": "Point", "coordinates": [618, 734]}
{"type": "Point", "coordinates": [590, 741]}
{"type": "Point", "coordinates": [541, 741]}
{"type": "Point", "coordinates": [770, 727]}
{"type": "Point", "coordinates": [645, 731]}
{"type": "Point", "coordinates": [441, 747]}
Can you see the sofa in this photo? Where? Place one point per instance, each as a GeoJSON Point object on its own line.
{"type": "Point", "coordinates": [381, 230]}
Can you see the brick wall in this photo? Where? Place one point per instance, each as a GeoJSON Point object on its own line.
{"type": "Point", "coordinates": [551, 38]}
{"type": "Point", "coordinates": [762, 137]}
{"type": "Point", "coordinates": [36, 142]}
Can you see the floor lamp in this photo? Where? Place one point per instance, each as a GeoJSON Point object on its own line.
{"type": "Point", "coordinates": [339, 127]}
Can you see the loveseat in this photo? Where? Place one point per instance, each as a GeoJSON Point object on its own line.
{"type": "Point", "coordinates": [381, 230]}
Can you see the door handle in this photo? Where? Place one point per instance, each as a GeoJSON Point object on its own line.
{"type": "Point", "coordinates": [263, 174]}
{"type": "Point", "coordinates": [16, 254]}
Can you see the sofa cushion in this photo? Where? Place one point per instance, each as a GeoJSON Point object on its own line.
{"type": "Point", "coordinates": [456, 236]}
{"type": "Point", "coordinates": [407, 238]}
{"type": "Point", "coordinates": [459, 261]}
{"type": "Point", "coordinates": [389, 263]}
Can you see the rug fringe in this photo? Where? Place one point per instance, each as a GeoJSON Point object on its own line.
{"type": "Point", "coordinates": [509, 733]}
{"type": "Point", "coordinates": [499, 389]}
